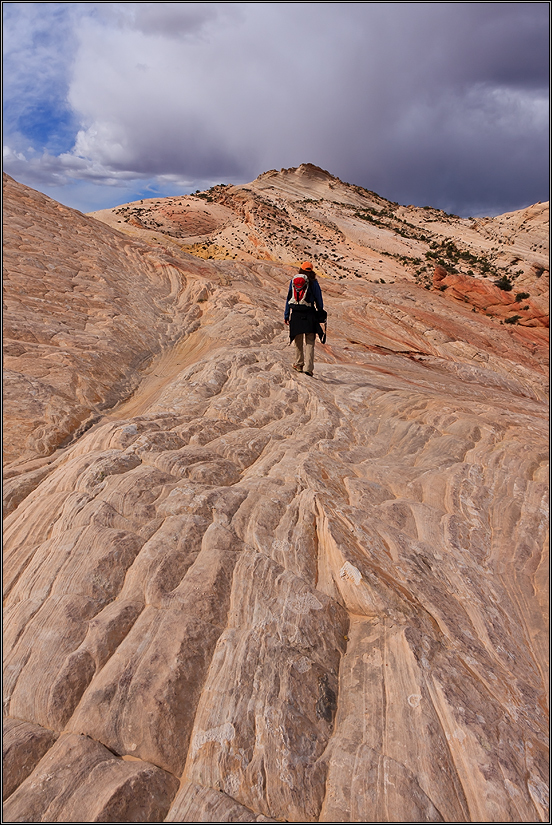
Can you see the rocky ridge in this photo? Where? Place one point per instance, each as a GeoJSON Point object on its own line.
{"type": "Point", "coordinates": [235, 593]}
{"type": "Point", "coordinates": [307, 213]}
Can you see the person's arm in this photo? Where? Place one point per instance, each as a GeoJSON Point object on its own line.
{"type": "Point", "coordinates": [317, 295]}
{"type": "Point", "coordinates": [286, 311]}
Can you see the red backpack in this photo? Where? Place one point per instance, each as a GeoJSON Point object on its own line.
{"type": "Point", "coordinates": [300, 286]}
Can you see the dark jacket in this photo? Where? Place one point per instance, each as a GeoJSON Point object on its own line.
{"type": "Point", "coordinates": [304, 319]}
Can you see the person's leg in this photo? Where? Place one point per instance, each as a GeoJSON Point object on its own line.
{"type": "Point", "coordinates": [299, 357]}
{"type": "Point", "coordinates": [310, 338]}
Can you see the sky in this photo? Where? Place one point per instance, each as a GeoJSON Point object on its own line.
{"type": "Point", "coordinates": [431, 104]}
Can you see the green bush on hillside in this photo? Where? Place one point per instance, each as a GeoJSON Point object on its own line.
{"type": "Point", "coordinates": [504, 283]}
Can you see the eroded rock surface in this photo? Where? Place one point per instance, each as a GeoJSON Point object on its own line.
{"type": "Point", "coordinates": [235, 593]}
{"type": "Point", "coordinates": [306, 213]}
{"type": "Point", "coordinates": [83, 310]}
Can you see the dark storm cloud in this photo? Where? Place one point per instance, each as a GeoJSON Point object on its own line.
{"type": "Point", "coordinates": [447, 105]}
{"type": "Point", "coordinates": [171, 19]}
{"type": "Point", "coordinates": [497, 43]}
{"type": "Point", "coordinates": [429, 103]}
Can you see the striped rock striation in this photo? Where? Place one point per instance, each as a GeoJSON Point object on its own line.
{"type": "Point", "coordinates": [348, 231]}
{"type": "Point", "coordinates": [235, 593]}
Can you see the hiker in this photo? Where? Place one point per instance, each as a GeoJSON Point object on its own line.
{"type": "Point", "coordinates": [304, 313]}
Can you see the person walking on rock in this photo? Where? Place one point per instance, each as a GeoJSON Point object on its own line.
{"type": "Point", "coordinates": [304, 311]}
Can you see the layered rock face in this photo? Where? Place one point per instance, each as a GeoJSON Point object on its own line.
{"type": "Point", "coordinates": [237, 593]}
{"type": "Point", "coordinates": [307, 213]}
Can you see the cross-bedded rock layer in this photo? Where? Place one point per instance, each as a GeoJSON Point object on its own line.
{"type": "Point", "coordinates": [236, 593]}
{"type": "Point", "coordinates": [348, 231]}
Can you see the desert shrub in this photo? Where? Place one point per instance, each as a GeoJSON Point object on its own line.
{"type": "Point", "coordinates": [513, 319]}
{"type": "Point", "coordinates": [467, 256]}
{"type": "Point", "coordinates": [521, 295]}
{"type": "Point", "coordinates": [503, 283]}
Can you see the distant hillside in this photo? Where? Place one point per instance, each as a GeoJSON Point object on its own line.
{"type": "Point", "coordinates": [306, 213]}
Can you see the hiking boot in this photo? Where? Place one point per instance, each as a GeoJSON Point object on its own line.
{"type": "Point", "coordinates": [299, 369]}
{"type": "Point", "coordinates": [308, 373]}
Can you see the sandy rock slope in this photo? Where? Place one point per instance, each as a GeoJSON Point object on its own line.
{"type": "Point", "coordinates": [236, 593]}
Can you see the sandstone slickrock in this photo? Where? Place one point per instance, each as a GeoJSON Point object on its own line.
{"type": "Point", "coordinates": [76, 325]}
{"type": "Point", "coordinates": [235, 593]}
{"type": "Point", "coordinates": [78, 777]}
{"type": "Point", "coordinates": [23, 746]}
{"type": "Point", "coordinates": [306, 212]}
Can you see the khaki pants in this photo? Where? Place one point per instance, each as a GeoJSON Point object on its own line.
{"type": "Point", "coordinates": [304, 354]}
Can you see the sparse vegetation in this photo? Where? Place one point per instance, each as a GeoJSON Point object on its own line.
{"type": "Point", "coordinates": [521, 295]}
{"type": "Point", "coordinates": [513, 319]}
{"type": "Point", "coordinates": [446, 254]}
{"type": "Point", "coordinates": [504, 283]}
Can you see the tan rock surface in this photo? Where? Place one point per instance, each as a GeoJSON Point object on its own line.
{"type": "Point", "coordinates": [79, 778]}
{"type": "Point", "coordinates": [235, 593]}
{"type": "Point", "coordinates": [76, 325]}
{"type": "Point", "coordinates": [307, 213]}
{"type": "Point", "coordinates": [23, 746]}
